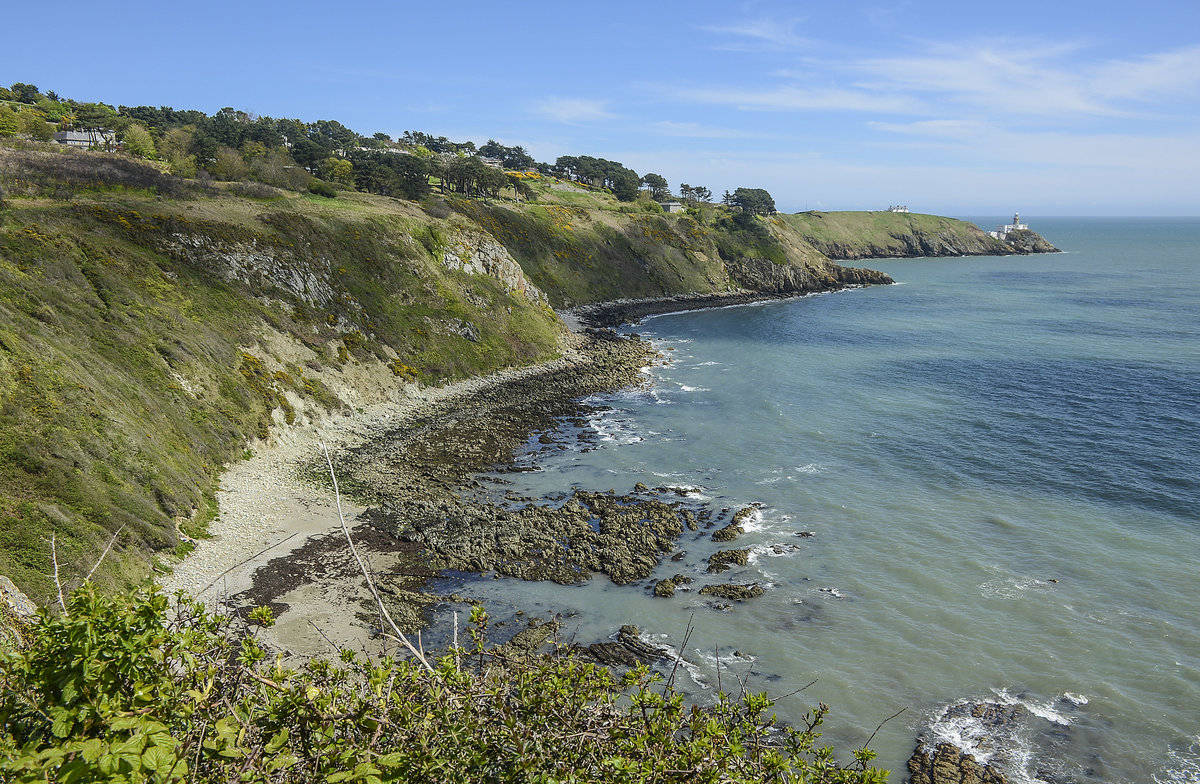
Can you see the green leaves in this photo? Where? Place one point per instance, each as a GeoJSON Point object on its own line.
{"type": "Point", "coordinates": [90, 701]}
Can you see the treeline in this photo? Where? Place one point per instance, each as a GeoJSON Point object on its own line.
{"type": "Point", "coordinates": [235, 146]}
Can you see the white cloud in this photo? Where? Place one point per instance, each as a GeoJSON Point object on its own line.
{"type": "Point", "coordinates": [758, 34]}
{"type": "Point", "coordinates": [1168, 74]}
{"type": "Point", "coordinates": [791, 98]}
{"type": "Point", "coordinates": [1048, 81]}
{"type": "Point", "coordinates": [691, 130]}
{"type": "Point", "coordinates": [574, 110]}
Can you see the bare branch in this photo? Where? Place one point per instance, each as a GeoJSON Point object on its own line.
{"type": "Point", "coordinates": [793, 693]}
{"type": "Point", "coordinates": [318, 628]}
{"type": "Point", "coordinates": [885, 721]}
{"type": "Point", "coordinates": [213, 581]}
{"type": "Point", "coordinates": [54, 555]}
{"type": "Point", "coordinates": [100, 560]}
{"type": "Point", "coordinates": [399, 635]}
{"type": "Point", "coordinates": [682, 648]}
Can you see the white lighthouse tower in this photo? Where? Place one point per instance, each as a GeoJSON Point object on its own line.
{"type": "Point", "coordinates": [1002, 232]}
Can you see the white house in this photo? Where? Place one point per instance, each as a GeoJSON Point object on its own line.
{"type": "Point", "coordinates": [90, 138]}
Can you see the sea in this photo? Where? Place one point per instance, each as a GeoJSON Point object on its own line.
{"type": "Point", "coordinates": [980, 485]}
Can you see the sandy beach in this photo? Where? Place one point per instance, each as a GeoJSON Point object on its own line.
{"type": "Point", "coordinates": [277, 537]}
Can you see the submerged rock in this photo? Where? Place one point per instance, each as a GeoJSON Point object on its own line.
{"type": "Point", "coordinates": [666, 588]}
{"type": "Point", "coordinates": [724, 560]}
{"type": "Point", "coordinates": [733, 591]}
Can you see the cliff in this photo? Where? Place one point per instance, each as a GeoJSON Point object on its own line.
{"type": "Point", "coordinates": [847, 236]}
{"type": "Point", "coordinates": [152, 329]}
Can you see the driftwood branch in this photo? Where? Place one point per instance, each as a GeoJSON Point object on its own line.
{"type": "Point", "coordinates": [397, 634]}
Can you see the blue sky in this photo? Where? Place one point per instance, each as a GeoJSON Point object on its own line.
{"type": "Point", "coordinates": [957, 108]}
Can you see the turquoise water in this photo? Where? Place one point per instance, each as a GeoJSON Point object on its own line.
{"type": "Point", "coordinates": [1000, 461]}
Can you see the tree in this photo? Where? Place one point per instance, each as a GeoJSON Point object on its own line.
{"type": "Point", "coordinates": [228, 165]}
{"type": "Point", "coordinates": [753, 201]}
{"type": "Point", "coordinates": [137, 141]}
{"type": "Point", "coordinates": [624, 184]}
{"type": "Point", "coordinates": [8, 121]}
{"type": "Point", "coordinates": [337, 170]}
{"type": "Point", "coordinates": [659, 188]}
{"type": "Point", "coordinates": [24, 93]}
{"type": "Point", "coordinates": [520, 187]}
{"type": "Point", "coordinates": [32, 123]}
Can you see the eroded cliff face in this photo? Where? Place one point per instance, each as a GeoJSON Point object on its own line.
{"type": "Point", "coordinates": [1026, 241]}
{"type": "Point", "coordinates": [762, 275]}
{"type": "Point", "coordinates": [478, 253]}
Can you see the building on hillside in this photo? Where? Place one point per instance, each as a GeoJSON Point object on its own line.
{"type": "Point", "coordinates": [87, 139]}
{"type": "Point", "coordinates": [898, 208]}
{"type": "Point", "coordinates": [1002, 232]}
{"type": "Point", "coordinates": [671, 206]}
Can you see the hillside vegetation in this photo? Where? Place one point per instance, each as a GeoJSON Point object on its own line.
{"type": "Point", "coordinates": [153, 327]}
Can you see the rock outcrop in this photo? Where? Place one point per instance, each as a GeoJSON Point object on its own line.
{"type": "Point", "coordinates": [942, 762]}
{"type": "Point", "coordinates": [768, 277]}
{"type": "Point", "coordinates": [629, 650]}
{"type": "Point", "coordinates": [16, 612]}
{"type": "Point", "coordinates": [948, 764]}
{"type": "Point", "coordinates": [476, 253]}
{"type": "Point", "coordinates": [1026, 241]}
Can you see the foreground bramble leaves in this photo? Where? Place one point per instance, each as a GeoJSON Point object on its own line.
{"type": "Point", "coordinates": [131, 689]}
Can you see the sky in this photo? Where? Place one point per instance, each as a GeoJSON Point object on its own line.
{"type": "Point", "coordinates": [956, 108]}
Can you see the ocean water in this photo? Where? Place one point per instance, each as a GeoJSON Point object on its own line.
{"type": "Point", "coordinates": [999, 461]}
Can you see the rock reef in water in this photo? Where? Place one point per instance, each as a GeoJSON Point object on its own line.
{"type": "Point", "coordinates": [944, 763]}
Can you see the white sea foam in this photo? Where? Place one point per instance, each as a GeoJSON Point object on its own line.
{"type": "Point", "coordinates": [1010, 747]}
{"type": "Point", "coordinates": [771, 551]}
{"type": "Point", "coordinates": [1007, 585]}
{"type": "Point", "coordinates": [1182, 765]}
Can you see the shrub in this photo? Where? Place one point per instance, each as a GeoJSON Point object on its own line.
{"type": "Point", "coordinates": [129, 688]}
{"type": "Point", "coordinates": [255, 190]}
{"type": "Point", "coordinates": [46, 172]}
{"type": "Point", "coordinates": [322, 188]}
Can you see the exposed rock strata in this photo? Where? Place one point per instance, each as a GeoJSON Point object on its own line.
{"type": "Point", "coordinates": [761, 279]}
{"type": "Point", "coordinates": [629, 650]}
{"type": "Point", "coordinates": [922, 244]}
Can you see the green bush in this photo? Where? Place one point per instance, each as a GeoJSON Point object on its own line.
{"type": "Point", "coordinates": [128, 688]}
{"type": "Point", "coordinates": [322, 188]}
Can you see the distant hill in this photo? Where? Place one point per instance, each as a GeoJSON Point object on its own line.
{"type": "Point", "coordinates": [848, 236]}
